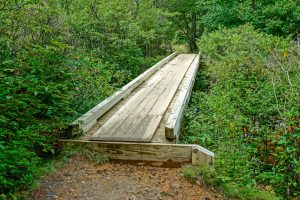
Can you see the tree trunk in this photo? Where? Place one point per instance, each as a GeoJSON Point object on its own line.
{"type": "Point", "coordinates": [193, 34]}
{"type": "Point", "coordinates": [137, 4]}
{"type": "Point", "coordinates": [253, 5]}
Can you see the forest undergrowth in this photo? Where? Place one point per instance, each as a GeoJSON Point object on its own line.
{"type": "Point", "coordinates": [245, 107]}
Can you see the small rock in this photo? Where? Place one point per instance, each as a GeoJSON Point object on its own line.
{"type": "Point", "coordinates": [176, 185]}
{"type": "Point", "coordinates": [132, 197]}
{"type": "Point", "coordinates": [160, 197]}
{"type": "Point", "coordinates": [55, 197]}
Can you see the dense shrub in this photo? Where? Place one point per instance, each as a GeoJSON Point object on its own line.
{"type": "Point", "coordinates": [58, 59]}
{"type": "Point", "coordinates": [246, 108]}
{"type": "Point", "coordinates": [40, 93]}
{"type": "Point", "coordinates": [276, 17]}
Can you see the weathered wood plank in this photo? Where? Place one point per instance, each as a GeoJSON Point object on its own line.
{"type": "Point", "coordinates": [89, 119]}
{"type": "Point", "coordinates": [158, 153]}
{"type": "Point", "coordinates": [172, 127]}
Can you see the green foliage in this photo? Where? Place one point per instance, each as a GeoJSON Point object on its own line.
{"type": "Point", "coordinates": [58, 59]}
{"type": "Point", "coordinates": [185, 15]}
{"type": "Point", "coordinates": [205, 176]}
{"type": "Point", "coordinates": [277, 17]}
{"type": "Point", "coordinates": [245, 108]}
{"type": "Point", "coordinates": [208, 177]}
{"type": "Point", "coordinates": [246, 192]}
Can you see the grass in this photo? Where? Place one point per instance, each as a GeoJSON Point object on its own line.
{"type": "Point", "coordinates": [207, 177]}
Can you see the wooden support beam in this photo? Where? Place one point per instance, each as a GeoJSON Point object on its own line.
{"type": "Point", "coordinates": [89, 119]}
{"type": "Point", "coordinates": [172, 127]}
{"type": "Point", "coordinates": [156, 154]}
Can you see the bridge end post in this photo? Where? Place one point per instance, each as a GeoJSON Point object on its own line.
{"type": "Point", "coordinates": [202, 156]}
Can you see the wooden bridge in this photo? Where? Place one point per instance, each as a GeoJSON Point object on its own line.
{"type": "Point", "coordinates": [141, 122]}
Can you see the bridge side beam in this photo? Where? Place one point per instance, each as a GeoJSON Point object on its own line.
{"type": "Point", "coordinates": [155, 154]}
{"type": "Point", "coordinates": [172, 127]}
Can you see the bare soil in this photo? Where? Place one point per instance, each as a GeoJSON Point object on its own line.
{"type": "Point", "coordinates": [82, 179]}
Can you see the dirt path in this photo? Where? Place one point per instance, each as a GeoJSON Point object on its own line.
{"type": "Point", "coordinates": [81, 179]}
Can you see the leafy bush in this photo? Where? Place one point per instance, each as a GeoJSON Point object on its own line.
{"type": "Point", "coordinates": [58, 59]}
{"type": "Point", "coordinates": [245, 108]}
{"type": "Point", "coordinates": [208, 177]}
{"type": "Point", "coordinates": [36, 103]}
{"type": "Point", "coordinates": [276, 17]}
{"type": "Point", "coordinates": [204, 176]}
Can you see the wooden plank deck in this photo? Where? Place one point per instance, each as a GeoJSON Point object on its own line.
{"type": "Point", "coordinates": [139, 118]}
{"type": "Point", "coordinates": [142, 120]}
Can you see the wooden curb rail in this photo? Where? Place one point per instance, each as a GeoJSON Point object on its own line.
{"type": "Point", "coordinates": [155, 154]}
{"type": "Point", "coordinates": [172, 127]}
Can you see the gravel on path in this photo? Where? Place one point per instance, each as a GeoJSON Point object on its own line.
{"type": "Point", "coordinates": [84, 180]}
